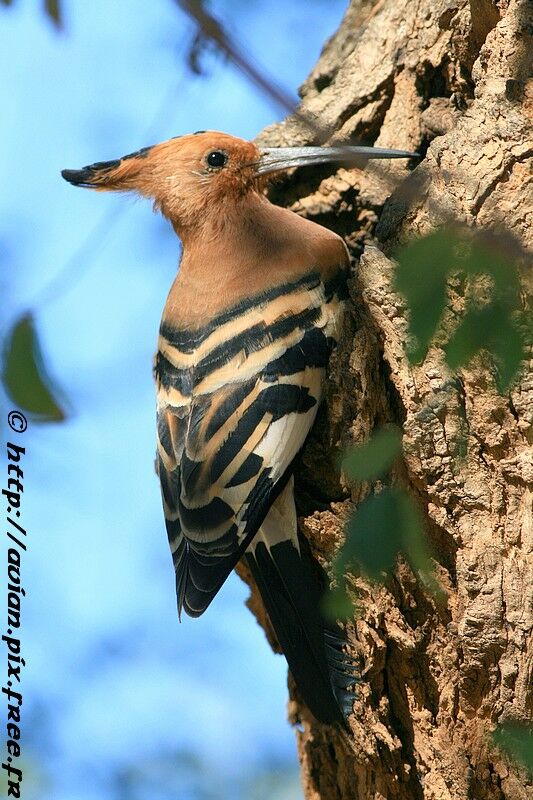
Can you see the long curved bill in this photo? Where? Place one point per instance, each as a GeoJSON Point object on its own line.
{"type": "Point", "coordinates": [278, 158]}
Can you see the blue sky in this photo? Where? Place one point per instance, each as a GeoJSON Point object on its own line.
{"type": "Point", "coordinates": [121, 701]}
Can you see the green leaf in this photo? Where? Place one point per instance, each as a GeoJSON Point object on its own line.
{"type": "Point", "coordinates": [52, 9]}
{"type": "Point", "coordinates": [383, 526]}
{"type": "Point", "coordinates": [508, 351]}
{"type": "Point", "coordinates": [374, 458]}
{"type": "Point", "coordinates": [468, 338]}
{"type": "Point", "coordinates": [421, 275]}
{"type": "Point", "coordinates": [373, 539]}
{"type": "Point", "coordinates": [485, 255]}
{"type": "Point", "coordinates": [24, 375]}
{"type": "Point", "coordinates": [336, 604]}
{"type": "Point", "coordinates": [517, 741]}
{"type": "Point", "coordinates": [492, 329]}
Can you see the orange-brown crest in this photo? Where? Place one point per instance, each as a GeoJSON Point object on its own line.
{"type": "Point", "coordinates": [183, 175]}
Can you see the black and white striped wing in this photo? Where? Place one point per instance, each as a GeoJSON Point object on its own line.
{"type": "Point", "coordinates": [230, 425]}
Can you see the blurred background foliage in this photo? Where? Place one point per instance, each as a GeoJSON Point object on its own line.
{"type": "Point", "coordinates": [486, 315]}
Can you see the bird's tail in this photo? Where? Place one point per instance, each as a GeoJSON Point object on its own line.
{"type": "Point", "coordinates": [292, 586]}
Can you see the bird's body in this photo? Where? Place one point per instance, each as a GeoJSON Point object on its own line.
{"type": "Point", "coordinates": [244, 343]}
{"type": "Point", "coordinates": [240, 374]}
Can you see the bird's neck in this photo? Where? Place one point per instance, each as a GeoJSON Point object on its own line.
{"type": "Point", "coordinates": [238, 250]}
{"type": "Point", "coordinates": [232, 228]}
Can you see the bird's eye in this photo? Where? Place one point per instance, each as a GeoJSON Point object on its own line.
{"type": "Point", "coordinates": [217, 159]}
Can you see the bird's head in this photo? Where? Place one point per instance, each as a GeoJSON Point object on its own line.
{"type": "Point", "coordinates": [182, 175]}
{"type": "Point", "coordinates": [187, 175]}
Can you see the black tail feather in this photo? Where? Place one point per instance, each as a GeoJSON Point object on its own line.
{"type": "Point", "coordinates": [291, 586]}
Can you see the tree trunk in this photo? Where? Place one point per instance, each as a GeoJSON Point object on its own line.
{"type": "Point", "coordinates": [447, 78]}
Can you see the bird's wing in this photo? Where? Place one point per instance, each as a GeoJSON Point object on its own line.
{"type": "Point", "coordinates": [235, 405]}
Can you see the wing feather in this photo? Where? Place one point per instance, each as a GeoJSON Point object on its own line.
{"type": "Point", "coordinates": [226, 453]}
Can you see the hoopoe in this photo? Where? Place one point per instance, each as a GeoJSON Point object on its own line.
{"type": "Point", "coordinates": [245, 338]}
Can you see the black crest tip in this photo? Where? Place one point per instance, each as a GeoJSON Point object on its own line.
{"type": "Point", "coordinates": [78, 177]}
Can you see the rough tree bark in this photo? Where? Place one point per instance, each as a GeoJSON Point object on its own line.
{"type": "Point", "coordinates": [448, 78]}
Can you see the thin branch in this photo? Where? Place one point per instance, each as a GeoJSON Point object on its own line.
{"type": "Point", "coordinates": [212, 30]}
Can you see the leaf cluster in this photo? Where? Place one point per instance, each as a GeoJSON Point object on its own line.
{"type": "Point", "coordinates": [495, 324]}
{"type": "Point", "coordinates": [384, 524]}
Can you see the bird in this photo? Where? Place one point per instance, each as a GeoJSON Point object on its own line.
{"type": "Point", "coordinates": [244, 343]}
